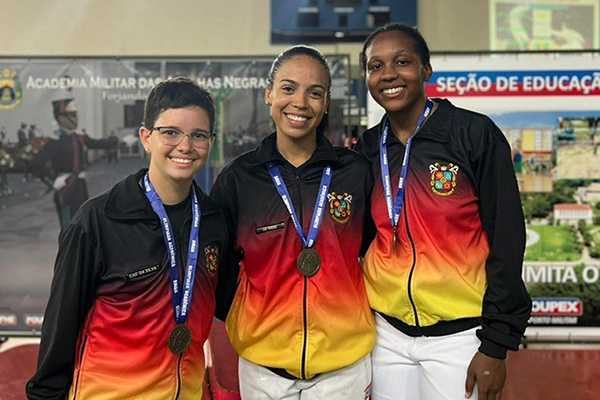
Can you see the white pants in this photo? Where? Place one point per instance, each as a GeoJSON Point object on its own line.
{"type": "Point", "coordinates": [349, 383]}
{"type": "Point", "coordinates": [421, 368]}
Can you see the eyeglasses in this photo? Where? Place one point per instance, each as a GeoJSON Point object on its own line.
{"type": "Point", "coordinates": [170, 136]}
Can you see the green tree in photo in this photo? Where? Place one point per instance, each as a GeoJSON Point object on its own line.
{"type": "Point", "coordinates": [536, 206]}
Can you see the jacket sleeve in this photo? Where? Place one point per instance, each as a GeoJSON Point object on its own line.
{"type": "Point", "coordinates": [369, 228]}
{"type": "Point", "coordinates": [224, 194]}
{"type": "Point", "coordinates": [506, 303]}
{"type": "Point", "coordinates": [71, 297]}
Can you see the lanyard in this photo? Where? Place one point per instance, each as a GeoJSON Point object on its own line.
{"type": "Point", "coordinates": [395, 209]}
{"type": "Point", "coordinates": [181, 301]}
{"type": "Point", "coordinates": [308, 241]}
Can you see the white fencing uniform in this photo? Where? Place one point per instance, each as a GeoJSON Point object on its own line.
{"type": "Point", "coordinates": [421, 368]}
{"type": "Point", "coordinates": [350, 383]}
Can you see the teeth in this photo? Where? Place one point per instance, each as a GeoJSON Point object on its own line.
{"type": "Point", "coordinates": [181, 160]}
{"type": "Point", "coordinates": [296, 117]}
{"type": "Point", "coordinates": [392, 90]}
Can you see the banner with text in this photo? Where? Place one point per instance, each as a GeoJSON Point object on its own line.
{"type": "Point", "coordinates": [104, 99]}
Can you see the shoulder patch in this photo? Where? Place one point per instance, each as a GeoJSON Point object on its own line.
{"type": "Point", "coordinates": [212, 259]}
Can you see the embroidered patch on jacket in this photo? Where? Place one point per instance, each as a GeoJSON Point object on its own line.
{"type": "Point", "coordinates": [142, 273]}
{"type": "Point", "coordinates": [212, 259]}
{"type": "Point", "coordinates": [339, 206]}
{"type": "Point", "coordinates": [443, 178]}
{"type": "Point", "coordinates": [269, 228]}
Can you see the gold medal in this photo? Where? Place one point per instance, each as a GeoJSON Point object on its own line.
{"type": "Point", "coordinates": [309, 262]}
{"type": "Point", "coordinates": [180, 338]}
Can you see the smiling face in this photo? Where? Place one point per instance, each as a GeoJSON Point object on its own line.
{"type": "Point", "coordinates": [299, 97]}
{"type": "Point", "coordinates": [177, 164]}
{"type": "Point", "coordinates": [395, 73]}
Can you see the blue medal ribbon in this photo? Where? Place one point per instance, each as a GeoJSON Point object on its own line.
{"type": "Point", "coordinates": [395, 208]}
{"type": "Point", "coordinates": [308, 241]}
{"type": "Point", "coordinates": [182, 299]}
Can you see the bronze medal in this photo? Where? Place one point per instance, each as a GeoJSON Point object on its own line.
{"type": "Point", "coordinates": [180, 338]}
{"type": "Point", "coordinates": [309, 262]}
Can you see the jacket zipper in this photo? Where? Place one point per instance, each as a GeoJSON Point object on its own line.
{"type": "Point", "coordinates": [304, 296]}
{"type": "Point", "coordinates": [178, 376]}
{"type": "Point", "coordinates": [305, 329]}
{"type": "Point", "coordinates": [80, 366]}
{"type": "Point", "coordinates": [412, 268]}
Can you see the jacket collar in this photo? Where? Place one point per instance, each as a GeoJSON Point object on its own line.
{"type": "Point", "coordinates": [127, 201]}
{"type": "Point", "coordinates": [437, 127]}
{"type": "Point", "coordinates": [267, 152]}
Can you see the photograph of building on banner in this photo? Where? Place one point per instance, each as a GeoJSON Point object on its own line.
{"type": "Point", "coordinates": [578, 139]}
{"type": "Point", "coordinates": [548, 107]}
{"type": "Point", "coordinates": [546, 144]}
{"type": "Point", "coordinates": [69, 131]}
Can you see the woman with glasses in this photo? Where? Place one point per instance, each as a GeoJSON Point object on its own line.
{"type": "Point", "coordinates": [132, 297]}
{"type": "Point", "coordinates": [300, 320]}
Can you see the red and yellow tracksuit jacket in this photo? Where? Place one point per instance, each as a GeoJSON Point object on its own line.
{"type": "Point", "coordinates": [461, 236]}
{"type": "Point", "coordinates": [279, 318]}
{"type": "Point", "coordinates": [110, 310]}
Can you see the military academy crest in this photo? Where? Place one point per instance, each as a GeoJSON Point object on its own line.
{"type": "Point", "coordinates": [339, 207]}
{"type": "Point", "coordinates": [443, 178]}
{"type": "Point", "coordinates": [212, 259]}
{"type": "Point", "coordinates": [11, 92]}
